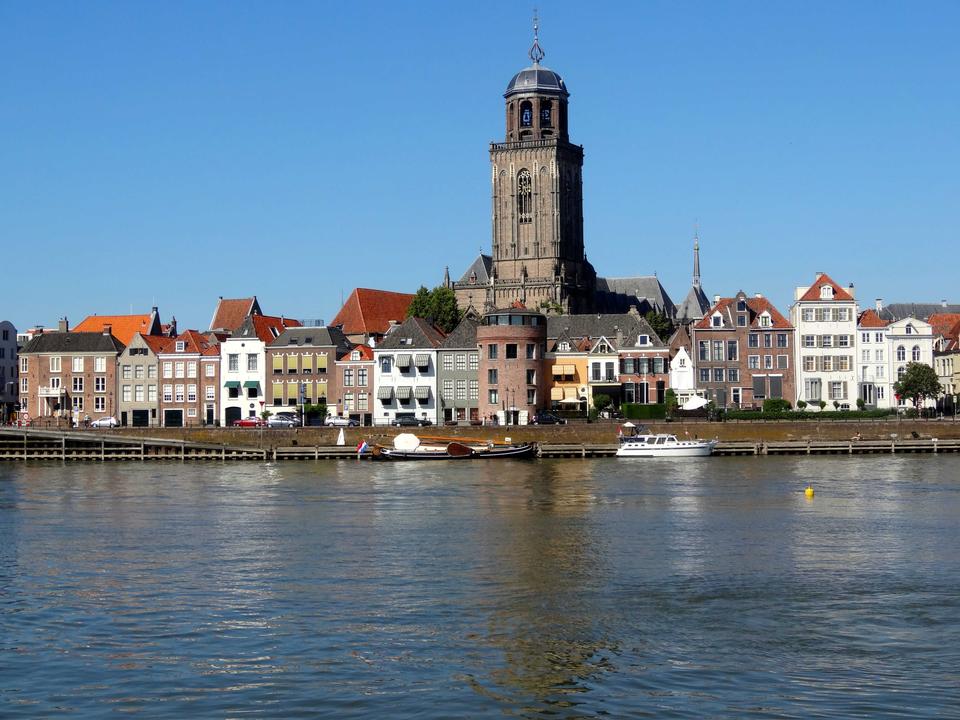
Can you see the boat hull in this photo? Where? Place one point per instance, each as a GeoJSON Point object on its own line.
{"type": "Point", "coordinates": [518, 451]}
{"type": "Point", "coordinates": [688, 451]}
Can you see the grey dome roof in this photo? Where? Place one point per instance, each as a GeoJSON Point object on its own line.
{"type": "Point", "coordinates": [537, 79]}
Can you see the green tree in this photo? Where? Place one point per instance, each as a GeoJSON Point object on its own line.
{"type": "Point", "coordinates": [918, 383]}
{"type": "Point", "coordinates": [437, 306]}
{"type": "Point", "coordinates": [444, 312]}
{"type": "Point", "coordinates": [670, 400]}
{"type": "Point", "coordinates": [660, 324]}
{"type": "Point", "coordinates": [821, 404]}
{"type": "Point", "coordinates": [601, 402]}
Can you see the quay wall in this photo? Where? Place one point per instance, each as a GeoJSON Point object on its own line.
{"type": "Point", "coordinates": [583, 433]}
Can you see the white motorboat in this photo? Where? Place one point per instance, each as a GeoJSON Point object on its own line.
{"type": "Point", "coordinates": [663, 445]}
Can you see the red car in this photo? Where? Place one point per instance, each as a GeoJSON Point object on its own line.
{"type": "Point", "coordinates": [248, 422]}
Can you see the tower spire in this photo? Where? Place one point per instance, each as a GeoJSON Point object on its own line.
{"type": "Point", "coordinates": [696, 256]}
{"type": "Point", "coordinates": [536, 52]}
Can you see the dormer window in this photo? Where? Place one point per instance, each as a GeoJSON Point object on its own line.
{"type": "Point", "coordinates": [355, 355]}
{"type": "Point", "coordinates": [716, 321]}
{"type": "Point", "coordinates": [181, 345]}
{"type": "Point", "coordinates": [741, 305]}
{"type": "Point", "coordinates": [826, 292]}
{"type": "Point", "coordinates": [765, 320]}
{"type": "Point", "coordinates": [909, 329]}
{"type": "Point", "coordinates": [563, 346]}
{"type": "Point", "coordinates": [643, 340]}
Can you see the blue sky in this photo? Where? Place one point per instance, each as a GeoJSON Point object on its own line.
{"type": "Point", "coordinates": [168, 153]}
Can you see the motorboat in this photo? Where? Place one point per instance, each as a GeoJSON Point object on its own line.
{"type": "Point", "coordinates": [407, 446]}
{"type": "Point", "coordinates": [663, 445]}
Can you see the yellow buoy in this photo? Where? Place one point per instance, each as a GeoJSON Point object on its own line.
{"type": "Point", "coordinates": [808, 492]}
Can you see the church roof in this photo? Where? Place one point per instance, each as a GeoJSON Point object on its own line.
{"type": "Point", "coordinates": [481, 268]}
{"type": "Point", "coordinates": [537, 79]}
{"type": "Point", "coordinates": [645, 291]}
{"type": "Point", "coordinates": [694, 306]}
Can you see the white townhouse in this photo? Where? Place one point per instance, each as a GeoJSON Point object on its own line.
{"type": "Point", "coordinates": [681, 376]}
{"type": "Point", "coordinates": [405, 373]}
{"type": "Point", "coordinates": [873, 358]}
{"type": "Point", "coordinates": [243, 371]}
{"type": "Point", "coordinates": [908, 340]}
{"type": "Point", "coordinates": [825, 316]}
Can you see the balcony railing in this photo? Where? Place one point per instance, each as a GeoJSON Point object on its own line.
{"type": "Point", "coordinates": [51, 391]}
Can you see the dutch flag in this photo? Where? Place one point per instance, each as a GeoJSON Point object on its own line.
{"type": "Point", "coordinates": [362, 447]}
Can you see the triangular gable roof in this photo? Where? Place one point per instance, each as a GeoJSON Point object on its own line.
{"type": "Point", "coordinates": [602, 339]}
{"type": "Point", "coordinates": [266, 328]}
{"type": "Point", "coordinates": [464, 335]}
{"type": "Point", "coordinates": [813, 292]}
{"type": "Point", "coordinates": [757, 306]}
{"type": "Point", "coordinates": [479, 270]}
{"type": "Point", "coordinates": [73, 341]}
{"type": "Point", "coordinates": [369, 312]}
{"type": "Point", "coordinates": [413, 332]}
{"type": "Point", "coordinates": [230, 313]}
{"type": "Point", "coordinates": [122, 327]}
{"type": "Point", "coordinates": [366, 353]}
{"type": "Point", "coordinates": [694, 306]}
{"type": "Point", "coordinates": [870, 319]}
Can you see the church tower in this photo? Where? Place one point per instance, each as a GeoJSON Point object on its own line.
{"type": "Point", "coordinates": [538, 254]}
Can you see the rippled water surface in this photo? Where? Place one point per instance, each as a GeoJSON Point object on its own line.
{"type": "Point", "coordinates": [560, 589]}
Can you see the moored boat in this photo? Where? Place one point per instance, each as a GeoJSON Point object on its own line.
{"type": "Point", "coordinates": [663, 445]}
{"type": "Point", "coordinates": [407, 446]}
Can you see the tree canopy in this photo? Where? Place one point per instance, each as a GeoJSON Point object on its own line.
{"type": "Point", "coordinates": [660, 324]}
{"type": "Point", "coordinates": [918, 383]}
{"type": "Point", "coordinates": [437, 306]}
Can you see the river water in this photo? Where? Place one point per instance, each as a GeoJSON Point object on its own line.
{"type": "Point", "coordinates": [533, 589]}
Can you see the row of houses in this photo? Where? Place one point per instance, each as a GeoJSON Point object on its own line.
{"type": "Point", "coordinates": [372, 364]}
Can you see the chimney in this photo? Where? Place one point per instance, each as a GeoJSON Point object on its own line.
{"type": "Point", "coordinates": [64, 324]}
{"type": "Point", "coordinates": [716, 299]}
{"type": "Point", "coordinates": [173, 326]}
{"type": "Point", "coordinates": [633, 310]}
{"type": "Point", "coordinates": [943, 303]}
{"type": "Point", "coordinates": [758, 296]}
{"type": "Point", "coordinates": [619, 338]}
{"type": "Point", "coordinates": [153, 310]}
{"type": "Point", "coordinates": [879, 304]}
{"type": "Point", "coordinates": [108, 329]}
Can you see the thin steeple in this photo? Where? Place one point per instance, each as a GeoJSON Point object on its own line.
{"type": "Point", "coordinates": [696, 258]}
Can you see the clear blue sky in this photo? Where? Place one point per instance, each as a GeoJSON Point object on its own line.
{"type": "Point", "coordinates": [172, 152]}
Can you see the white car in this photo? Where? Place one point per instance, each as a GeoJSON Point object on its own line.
{"type": "Point", "coordinates": [104, 422]}
{"type": "Point", "coordinates": [341, 421]}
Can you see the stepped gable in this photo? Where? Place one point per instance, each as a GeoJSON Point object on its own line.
{"type": "Point", "coordinates": [73, 341]}
{"type": "Point", "coordinates": [122, 327]}
{"type": "Point", "coordinates": [230, 313]}
{"type": "Point", "coordinates": [369, 312]}
{"type": "Point", "coordinates": [413, 332]}
{"type": "Point", "coordinates": [463, 335]}
{"type": "Point", "coordinates": [813, 292]}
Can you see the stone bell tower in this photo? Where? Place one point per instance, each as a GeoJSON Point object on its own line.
{"type": "Point", "coordinates": [538, 255]}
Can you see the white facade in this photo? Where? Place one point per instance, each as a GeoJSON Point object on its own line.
{"type": "Point", "coordinates": [909, 340]}
{"type": "Point", "coordinates": [405, 384]}
{"type": "Point", "coordinates": [682, 377]}
{"type": "Point", "coordinates": [9, 389]}
{"type": "Point", "coordinates": [825, 316]}
{"type": "Point", "coordinates": [873, 362]}
{"type": "Point", "coordinates": [243, 378]}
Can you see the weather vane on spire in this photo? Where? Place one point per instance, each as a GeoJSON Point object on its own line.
{"type": "Point", "coordinates": [536, 52]}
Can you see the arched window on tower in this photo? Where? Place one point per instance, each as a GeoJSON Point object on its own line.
{"type": "Point", "coordinates": [526, 114]}
{"type": "Point", "coordinates": [546, 114]}
{"type": "Point", "coordinates": [524, 196]}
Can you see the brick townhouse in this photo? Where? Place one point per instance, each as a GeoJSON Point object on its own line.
{"type": "Point", "coordinates": [355, 382]}
{"type": "Point", "coordinates": [301, 368]}
{"type": "Point", "coordinates": [189, 377]}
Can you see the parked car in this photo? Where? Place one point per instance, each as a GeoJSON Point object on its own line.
{"type": "Point", "coordinates": [548, 418]}
{"type": "Point", "coordinates": [410, 421]}
{"type": "Point", "coordinates": [282, 421]}
{"type": "Point", "coordinates": [104, 422]}
{"type": "Point", "coordinates": [341, 421]}
{"type": "Point", "coordinates": [248, 422]}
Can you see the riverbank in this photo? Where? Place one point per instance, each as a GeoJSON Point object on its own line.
{"type": "Point", "coordinates": [580, 433]}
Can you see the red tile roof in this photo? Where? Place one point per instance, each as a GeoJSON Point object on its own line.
{"type": "Point", "coordinates": [946, 324]}
{"type": "Point", "coordinates": [264, 325]}
{"type": "Point", "coordinates": [369, 312]}
{"type": "Point", "coordinates": [757, 307]}
{"type": "Point", "coordinates": [870, 319]}
{"type": "Point", "coordinates": [366, 352]}
{"type": "Point", "coordinates": [230, 314]}
{"type": "Point", "coordinates": [122, 327]}
{"type": "Point", "coordinates": [813, 292]}
{"type": "Point", "coordinates": [157, 343]}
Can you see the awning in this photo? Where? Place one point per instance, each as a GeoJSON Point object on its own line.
{"type": "Point", "coordinates": [403, 392]}
{"type": "Point", "coordinates": [570, 394]}
{"type": "Point", "coordinates": [278, 362]}
{"type": "Point", "coordinates": [251, 384]}
{"type": "Point", "coordinates": [293, 391]}
{"type": "Point", "coordinates": [292, 362]}
{"type": "Point", "coordinates": [422, 392]}
{"type": "Point", "coordinates": [384, 392]}
{"type": "Point", "coordinates": [556, 393]}
{"type": "Point", "coordinates": [277, 390]}
{"type": "Point", "coordinates": [308, 363]}
{"type": "Point", "coordinates": [421, 360]}
{"type": "Point", "coordinates": [558, 370]}
{"type": "Point", "coordinates": [321, 362]}
{"type": "Point", "coordinates": [570, 401]}
{"type": "Point", "coordinates": [403, 360]}
{"type": "Point", "coordinates": [232, 384]}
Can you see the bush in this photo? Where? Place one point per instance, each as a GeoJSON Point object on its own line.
{"type": "Point", "coordinates": [861, 404]}
{"type": "Point", "coordinates": [775, 405]}
{"type": "Point", "coordinates": [808, 415]}
{"type": "Point", "coordinates": [801, 404]}
{"type": "Point", "coordinates": [635, 411]}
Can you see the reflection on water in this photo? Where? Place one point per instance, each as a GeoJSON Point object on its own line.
{"type": "Point", "coordinates": [536, 589]}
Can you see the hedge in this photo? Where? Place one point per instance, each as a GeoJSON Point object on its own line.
{"type": "Point", "coordinates": [807, 415]}
{"type": "Point", "coordinates": [635, 411]}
